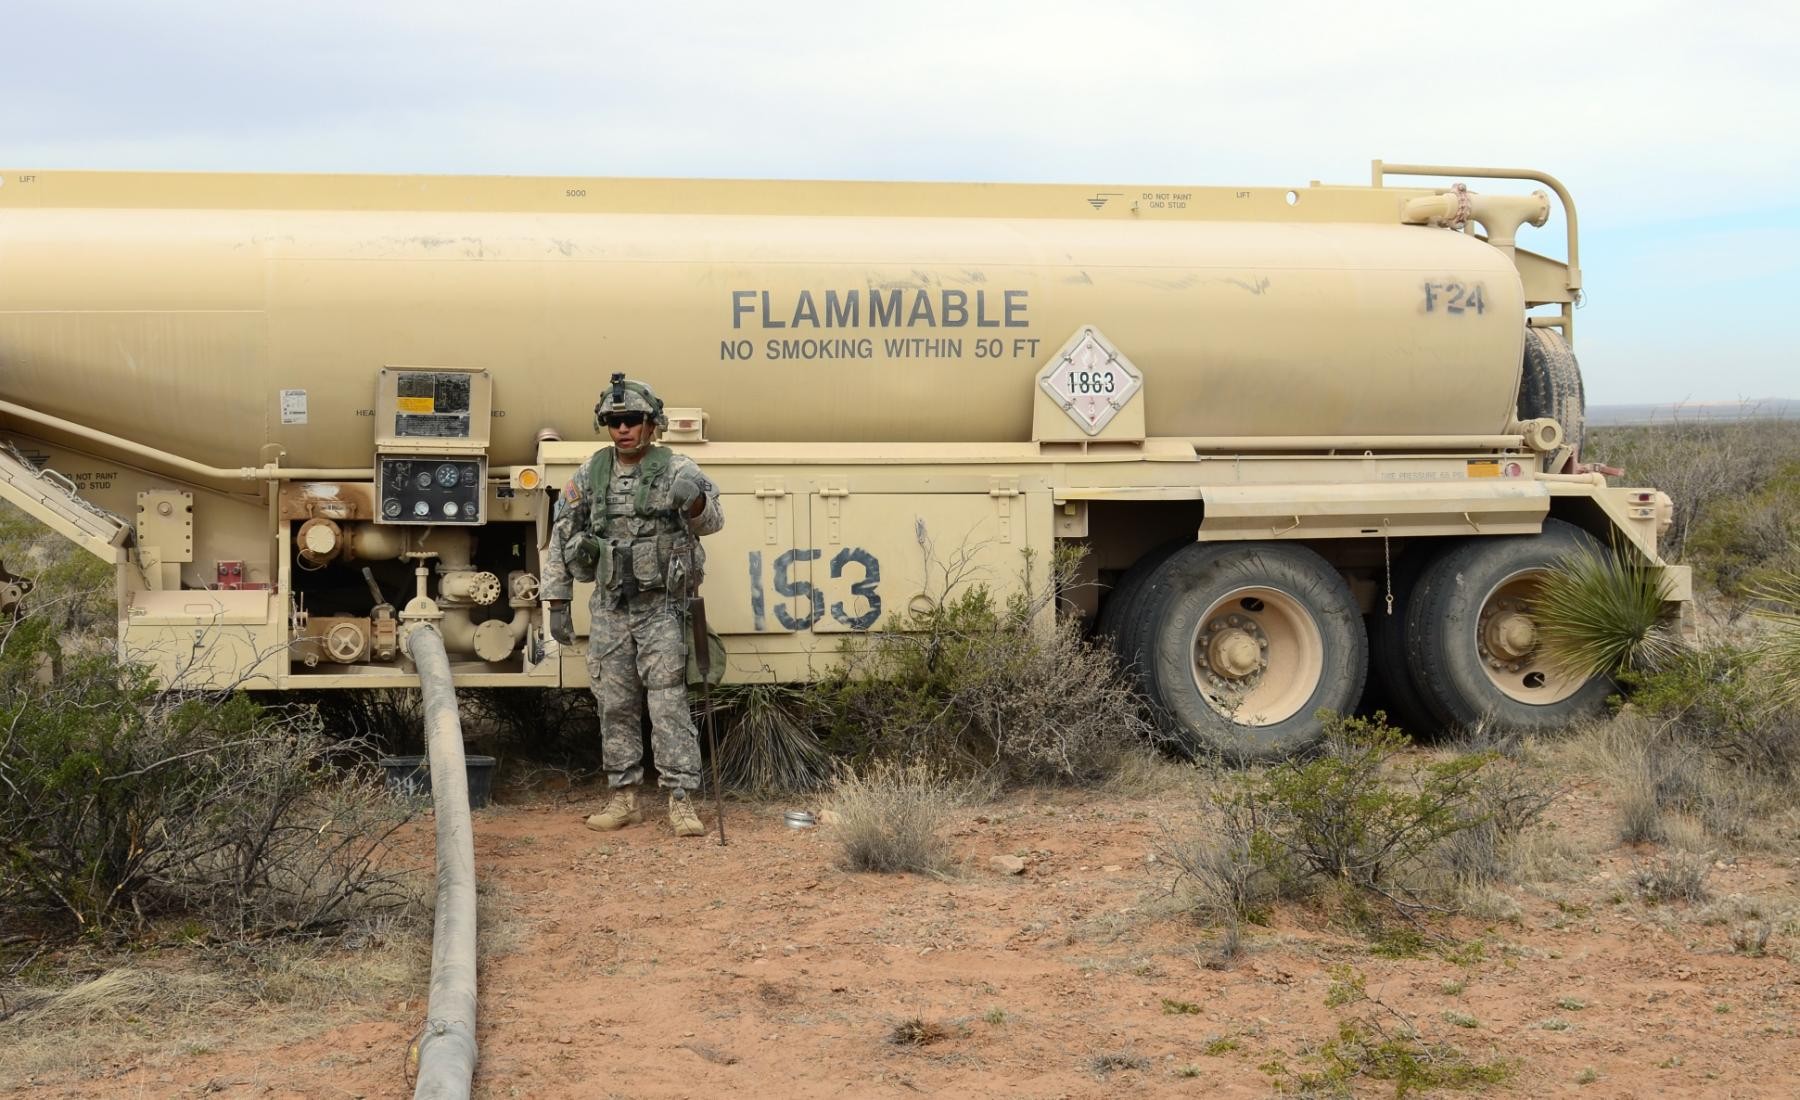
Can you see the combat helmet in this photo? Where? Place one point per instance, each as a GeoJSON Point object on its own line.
{"type": "Point", "coordinates": [624, 394]}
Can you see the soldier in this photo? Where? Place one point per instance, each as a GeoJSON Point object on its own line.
{"type": "Point", "coordinates": [630, 521]}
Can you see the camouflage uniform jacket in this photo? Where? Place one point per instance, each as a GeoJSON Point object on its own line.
{"type": "Point", "coordinates": [645, 545]}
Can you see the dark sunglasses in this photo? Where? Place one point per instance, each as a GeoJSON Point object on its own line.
{"type": "Point", "coordinates": [622, 420]}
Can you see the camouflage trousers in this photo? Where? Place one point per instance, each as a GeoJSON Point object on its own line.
{"type": "Point", "coordinates": [636, 653]}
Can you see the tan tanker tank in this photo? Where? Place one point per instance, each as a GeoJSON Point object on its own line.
{"type": "Point", "coordinates": [187, 329]}
{"type": "Point", "coordinates": [1264, 412]}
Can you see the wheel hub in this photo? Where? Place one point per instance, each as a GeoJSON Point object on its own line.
{"type": "Point", "coordinates": [1508, 634]}
{"type": "Point", "coordinates": [1236, 650]}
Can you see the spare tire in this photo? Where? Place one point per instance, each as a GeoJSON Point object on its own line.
{"type": "Point", "coordinates": [1550, 385]}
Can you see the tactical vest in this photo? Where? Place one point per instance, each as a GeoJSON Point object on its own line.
{"type": "Point", "coordinates": [646, 563]}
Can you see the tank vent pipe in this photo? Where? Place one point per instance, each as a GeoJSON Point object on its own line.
{"type": "Point", "coordinates": [445, 1048]}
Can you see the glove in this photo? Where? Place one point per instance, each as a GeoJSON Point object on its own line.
{"type": "Point", "coordinates": [562, 623]}
{"type": "Point", "coordinates": [689, 486]}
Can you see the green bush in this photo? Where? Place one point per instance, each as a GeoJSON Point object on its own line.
{"type": "Point", "coordinates": [1724, 704]}
{"type": "Point", "coordinates": [1743, 541]}
{"type": "Point", "coordinates": [120, 804]}
{"type": "Point", "coordinates": [1357, 815]}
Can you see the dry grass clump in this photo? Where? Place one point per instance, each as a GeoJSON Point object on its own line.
{"type": "Point", "coordinates": [1674, 876]}
{"type": "Point", "coordinates": [917, 1031]}
{"type": "Point", "coordinates": [889, 818]}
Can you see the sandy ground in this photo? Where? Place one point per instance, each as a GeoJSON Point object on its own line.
{"type": "Point", "coordinates": [637, 965]}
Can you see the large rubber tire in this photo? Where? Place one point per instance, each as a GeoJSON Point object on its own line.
{"type": "Point", "coordinates": [1450, 645]}
{"type": "Point", "coordinates": [1550, 385]}
{"type": "Point", "coordinates": [1392, 686]}
{"type": "Point", "coordinates": [1121, 604]}
{"type": "Point", "coordinates": [1136, 606]}
{"type": "Point", "coordinates": [1315, 651]}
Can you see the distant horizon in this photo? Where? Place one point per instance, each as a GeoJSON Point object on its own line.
{"type": "Point", "coordinates": [1624, 414]}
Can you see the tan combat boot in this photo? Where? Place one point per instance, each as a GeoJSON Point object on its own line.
{"type": "Point", "coordinates": [683, 817]}
{"type": "Point", "coordinates": [620, 810]}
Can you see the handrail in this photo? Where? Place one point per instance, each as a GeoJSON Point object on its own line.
{"type": "Point", "coordinates": [1379, 169]}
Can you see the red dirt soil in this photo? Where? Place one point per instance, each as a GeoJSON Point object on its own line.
{"type": "Point", "coordinates": [646, 966]}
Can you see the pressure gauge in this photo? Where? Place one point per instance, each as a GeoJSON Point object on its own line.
{"type": "Point", "coordinates": [446, 475]}
{"type": "Point", "coordinates": [450, 508]}
{"type": "Point", "coordinates": [391, 508]}
{"type": "Point", "coordinates": [423, 480]}
{"type": "Point", "coordinates": [422, 508]}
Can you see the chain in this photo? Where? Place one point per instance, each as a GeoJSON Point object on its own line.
{"type": "Point", "coordinates": [1387, 561]}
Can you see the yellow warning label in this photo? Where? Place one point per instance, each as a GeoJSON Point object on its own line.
{"type": "Point", "coordinates": [415, 404]}
{"type": "Point", "coordinates": [1484, 469]}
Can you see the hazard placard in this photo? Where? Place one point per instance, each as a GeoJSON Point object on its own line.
{"type": "Point", "coordinates": [1090, 379]}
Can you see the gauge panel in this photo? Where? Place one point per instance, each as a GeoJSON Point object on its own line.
{"type": "Point", "coordinates": [416, 489]}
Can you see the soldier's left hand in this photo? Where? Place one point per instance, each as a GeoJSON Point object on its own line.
{"type": "Point", "coordinates": [689, 487]}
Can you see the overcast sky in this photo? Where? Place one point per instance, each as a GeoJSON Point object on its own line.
{"type": "Point", "coordinates": [1673, 124]}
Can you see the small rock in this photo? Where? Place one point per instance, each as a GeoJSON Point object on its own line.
{"type": "Point", "coordinates": [1007, 865]}
{"type": "Point", "coordinates": [565, 1040]}
{"type": "Point", "coordinates": [1112, 868]}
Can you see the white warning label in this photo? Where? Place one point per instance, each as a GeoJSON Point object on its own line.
{"type": "Point", "coordinates": [1090, 380]}
{"type": "Point", "coordinates": [293, 406]}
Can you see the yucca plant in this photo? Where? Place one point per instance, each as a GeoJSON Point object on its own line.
{"type": "Point", "coordinates": [1780, 600]}
{"type": "Point", "coordinates": [769, 746]}
{"type": "Point", "coordinates": [1602, 613]}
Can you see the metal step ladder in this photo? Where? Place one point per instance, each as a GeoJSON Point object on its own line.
{"type": "Point", "coordinates": [50, 498]}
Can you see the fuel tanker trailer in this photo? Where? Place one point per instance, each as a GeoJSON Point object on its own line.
{"type": "Point", "coordinates": [1307, 436]}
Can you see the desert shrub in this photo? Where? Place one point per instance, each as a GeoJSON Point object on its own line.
{"type": "Point", "coordinates": [73, 591]}
{"type": "Point", "coordinates": [1599, 613]}
{"type": "Point", "coordinates": [888, 818]}
{"type": "Point", "coordinates": [1703, 465]}
{"type": "Point", "coordinates": [1357, 815]}
{"type": "Point", "coordinates": [1221, 872]}
{"type": "Point", "coordinates": [1725, 703]}
{"type": "Point", "coordinates": [1744, 540]}
{"type": "Point", "coordinates": [768, 744]}
{"type": "Point", "coordinates": [120, 804]}
{"type": "Point", "coordinates": [977, 684]}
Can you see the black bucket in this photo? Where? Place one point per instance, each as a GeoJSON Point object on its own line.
{"type": "Point", "coordinates": [411, 775]}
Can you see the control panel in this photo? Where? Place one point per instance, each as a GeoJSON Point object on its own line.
{"type": "Point", "coordinates": [431, 489]}
{"type": "Point", "coordinates": [431, 434]}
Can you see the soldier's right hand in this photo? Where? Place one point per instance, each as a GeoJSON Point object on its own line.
{"type": "Point", "coordinates": [562, 622]}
